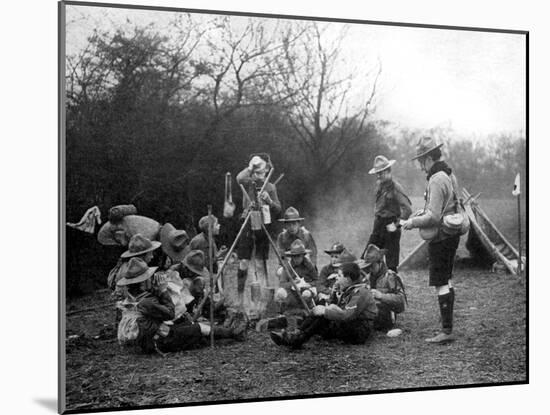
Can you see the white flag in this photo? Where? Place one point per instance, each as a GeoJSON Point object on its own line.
{"type": "Point", "coordinates": [516, 191]}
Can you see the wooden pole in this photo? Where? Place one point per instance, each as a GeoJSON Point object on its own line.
{"type": "Point", "coordinates": [486, 241]}
{"type": "Point", "coordinates": [278, 179]}
{"type": "Point", "coordinates": [286, 266]}
{"type": "Point", "coordinates": [210, 270]}
{"type": "Point", "coordinates": [519, 272]}
{"type": "Point", "coordinates": [477, 209]}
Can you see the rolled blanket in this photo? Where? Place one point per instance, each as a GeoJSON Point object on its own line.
{"type": "Point", "coordinates": [116, 213]}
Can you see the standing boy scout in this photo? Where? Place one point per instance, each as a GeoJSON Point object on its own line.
{"type": "Point", "coordinates": [442, 248]}
{"type": "Point", "coordinates": [252, 178]}
{"type": "Point", "coordinates": [392, 204]}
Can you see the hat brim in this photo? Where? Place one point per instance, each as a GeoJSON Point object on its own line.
{"type": "Point", "coordinates": [375, 170]}
{"type": "Point", "coordinates": [330, 252]}
{"type": "Point", "coordinates": [130, 225]}
{"type": "Point", "coordinates": [306, 251]}
{"type": "Point", "coordinates": [143, 277]}
{"type": "Point", "coordinates": [426, 152]}
{"type": "Point", "coordinates": [176, 256]}
{"type": "Point", "coordinates": [291, 220]}
{"type": "Point", "coordinates": [128, 254]}
{"type": "Point", "coordinates": [203, 273]}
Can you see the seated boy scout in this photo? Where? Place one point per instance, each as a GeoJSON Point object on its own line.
{"type": "Point", "coordinates": [324, 283]}
{"type": "Point", "coordinates": [349, 319]}
{"type": "Point", "coordinates": [147, 323]}
{"type": "Point", "coordinates": [386, 288]}
{"type": "Point", "coordinates": [305, 278]}
{"type": "Point", "coordinates": [200, 242]}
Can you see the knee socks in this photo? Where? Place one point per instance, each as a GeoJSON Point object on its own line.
{"type": "Point", "coordinates": [446, 305]}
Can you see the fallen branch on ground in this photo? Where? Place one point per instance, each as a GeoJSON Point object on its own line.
{"type": "Point", "coordinates": [83, 310]}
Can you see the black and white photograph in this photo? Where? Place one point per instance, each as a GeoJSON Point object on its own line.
{"type": "Point", "coordinates": [261, 207]}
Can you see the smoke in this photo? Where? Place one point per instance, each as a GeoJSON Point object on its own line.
{"type": "Point", "coordinates": [343, 214]}
{"type": "Point", "coordinates": [346, 214]}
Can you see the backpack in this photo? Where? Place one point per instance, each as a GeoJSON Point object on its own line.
{"type": "Point", "coordinates": [128, 328]}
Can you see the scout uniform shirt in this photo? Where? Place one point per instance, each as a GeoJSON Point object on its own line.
{"type": "Point", "coordinates": [439, 199]}
{"type": "Point", "coordinates": [305, 270]}
{"type": "Point", "coordinates": [391, 201]}
{"type": "Point", "coordinates": [245, 178]}
{"type": "Point", "coordinates": [356, 303]}
{"type": "Point", "coordinates": [393, 295]}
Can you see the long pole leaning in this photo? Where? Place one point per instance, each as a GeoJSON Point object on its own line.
{"type": "Point", "coordinates": [222, 266]}
{"type": "Point", "coordinates": [288, 270]}
{"type": "Point", "coordinates": [211, 272]}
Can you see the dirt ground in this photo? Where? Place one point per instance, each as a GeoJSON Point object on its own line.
{"type": "Point", "coordinates": [490, 325]}
{"type": "Point", "coordinates": [491, 348]}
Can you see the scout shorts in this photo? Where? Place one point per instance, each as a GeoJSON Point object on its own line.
{"type": "Point", "coordinates": [442, 257]}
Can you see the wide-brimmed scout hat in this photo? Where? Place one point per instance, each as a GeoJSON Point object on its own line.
{"type": "Point", "coordinates": [195, 261]}
{"type": "Point", "coordinates": [120, 233]}
{"type": "Point", "coordinates": [175, 242]}
{"type": "Point", "coordinates": [374, 254]}
{"type": "Point", "coordinates": [346, 257]}
{"type": "Point", "coordinates": [336, 248]}
{"type": "Point", "coordinates": [351, 270]}
{"type": "Point", "coordinates": [259, 161]}
{"type": "Point", "coordinates": [291, 215]}
{"type": "Point", "coordinates": [137, 272]}
{"type": "Point", "coordinates": [297, 248]}
{"type": "Point", "coordinates": [139, 245]}
{"type": "Point", "coordinates": [425, 145]}
{"type": "Point", "coordinates": [381, 163]}
{"type": "Point", "coordinates": [203, 222]}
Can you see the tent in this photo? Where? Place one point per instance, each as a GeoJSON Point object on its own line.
{"type": "Point", "coordinates": [484, 242]}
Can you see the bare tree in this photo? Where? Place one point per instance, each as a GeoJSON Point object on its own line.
{"type": "Point", "coordinates": [327, 119]}
{"type": "Point", "coordinates": [244, 56]}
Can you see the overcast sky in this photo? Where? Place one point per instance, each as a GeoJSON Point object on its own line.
{"type": "Point", "coordinates": [471, 81]}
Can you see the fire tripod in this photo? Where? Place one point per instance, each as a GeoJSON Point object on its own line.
{"type": "Point", "coordinates": [254, 215]}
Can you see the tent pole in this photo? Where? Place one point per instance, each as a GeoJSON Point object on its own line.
{"type": "Point", "coordinates": [519, 272]}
